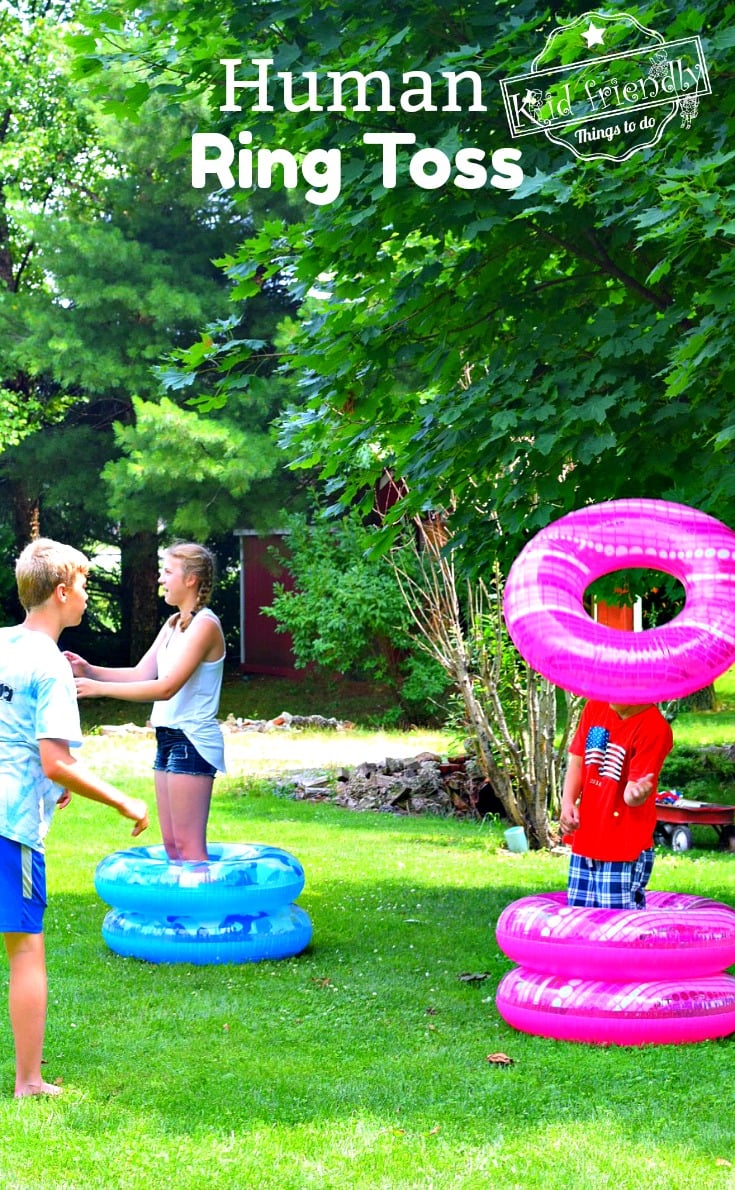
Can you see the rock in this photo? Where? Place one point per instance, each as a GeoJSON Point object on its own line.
{"type": "Point", "coordinates": [286, 722]}
{"type": "Point", "coordinates": [416, 785]}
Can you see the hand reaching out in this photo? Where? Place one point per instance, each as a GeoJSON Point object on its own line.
{"type": "Point", "coordinates": [137, 810]}
{"type": "Point", "coordinates": [79, 667]}
{"type": "Point", "coordinates": [636, 792]}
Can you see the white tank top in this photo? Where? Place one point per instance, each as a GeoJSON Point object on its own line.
{"type": "Point", "coordinates": [193, 709]}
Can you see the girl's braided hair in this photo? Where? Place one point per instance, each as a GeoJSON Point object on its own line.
{"type": "Point", "coordinates": [196, 560]}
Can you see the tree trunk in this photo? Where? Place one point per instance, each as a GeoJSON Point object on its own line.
{"type": "Point", "coordinates": [138, 593]}
{"type": "Point", "coordinates": [511, 712]}
{"type": "Point", "coordinates": [26, 513]}
{"type": "Point", "coordinates": [701, 700]}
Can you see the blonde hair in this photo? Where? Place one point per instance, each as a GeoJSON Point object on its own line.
{"type": "Point", "coordinates": [42, 566]}
{"type": "Point", "coordinates": [199, 561]}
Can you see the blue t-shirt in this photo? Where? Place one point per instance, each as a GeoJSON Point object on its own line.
{"type": "Point", "coordinates": [38, 700]}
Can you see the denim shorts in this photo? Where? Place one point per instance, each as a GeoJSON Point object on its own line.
{"type": "Point", "coordinates": [22, 888]}
{"type": "Point", "coordinates": [176, 754]}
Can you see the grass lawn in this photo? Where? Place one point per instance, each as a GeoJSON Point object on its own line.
{"type": "Point", "coordinates": [262, 697]}
{"type": "Point", "coordinates": [698, 728]}
{"type": "Point", "coordinates": [363, 1062]}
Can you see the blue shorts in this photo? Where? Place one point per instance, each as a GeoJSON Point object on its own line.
{"type": "Point", "coordinates": [177, 754]}
{"type": "Point", "coordinates": [22, 888]}
{"type": "Point", "coordinates": [609, 884]}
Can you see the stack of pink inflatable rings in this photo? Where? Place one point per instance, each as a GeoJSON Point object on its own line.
{"type": "Point", "coordinates": [619, 976]}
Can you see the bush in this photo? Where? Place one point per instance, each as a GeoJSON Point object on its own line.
{"type": "Point", "coordinates": [705, 774]}
{"type": "Point", "coordinates": [346, 615]}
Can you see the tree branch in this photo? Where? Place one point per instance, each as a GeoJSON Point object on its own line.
{"type": "Point", "coordinates": [601, 258]}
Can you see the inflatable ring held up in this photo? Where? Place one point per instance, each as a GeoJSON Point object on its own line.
{"type": "Point", "coordinates": [548, 623]}
{"type": "Point", "coordinates": [235, 908]}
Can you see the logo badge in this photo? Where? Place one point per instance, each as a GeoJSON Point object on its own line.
{"type": "Point", "coordinates": [606, 87]}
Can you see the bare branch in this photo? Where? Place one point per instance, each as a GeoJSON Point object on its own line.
{"type": "Point", "coordinates": [510, 711]}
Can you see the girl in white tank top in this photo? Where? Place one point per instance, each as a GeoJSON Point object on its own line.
{"type": "Point", "coordinates": [181, 673]}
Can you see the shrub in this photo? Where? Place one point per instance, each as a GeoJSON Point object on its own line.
{"type": "Point", "coordinates": [706, 774]}
{"type": "Point", "coordinates": [346, 615]}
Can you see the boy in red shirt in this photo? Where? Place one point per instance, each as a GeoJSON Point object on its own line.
{"type": "Point", "coordinates": [609, 804]}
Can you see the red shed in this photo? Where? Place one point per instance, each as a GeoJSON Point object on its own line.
{"type": "Point", "coordinates": [619, 615]}
{"type": "Point", "coordinates": [262, 649]}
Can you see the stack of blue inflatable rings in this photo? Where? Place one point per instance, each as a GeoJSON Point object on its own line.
{"type": "Point", "coordinates": [236, 908]}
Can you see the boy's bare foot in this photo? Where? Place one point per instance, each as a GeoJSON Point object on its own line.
{"type": "Point", "coordinates": [41, 1088]}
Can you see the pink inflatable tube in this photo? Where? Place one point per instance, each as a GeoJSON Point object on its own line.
{"type": "Point", "coordinates": [676, 936]}
{"type": "Point", "coordinates": [663, 1012]}
{"type": "Point", "coordinates": [551, 629]}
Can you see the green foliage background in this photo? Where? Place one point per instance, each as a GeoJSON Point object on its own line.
{"type": "Point", "coordinates": [346, 614]}
{"type": "Point", "coordinates": [505, 355]}
{"type": "Point", "coordinates": [508, 355]}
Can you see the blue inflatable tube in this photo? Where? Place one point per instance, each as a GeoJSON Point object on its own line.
{"type": "Point", "coordinates": [240, 878]}
{"type": "Point", "coordinates": [236, 939]}
{"type": "Point", "coordinates": [237, 907]}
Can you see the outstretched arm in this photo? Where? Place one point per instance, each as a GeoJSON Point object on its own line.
{"type": "Point", "coordinates": [143, 671]}
{"type": "Point", "coordinates": [61, 767]}
{"type": "Point", "coordinates": [204, 642]}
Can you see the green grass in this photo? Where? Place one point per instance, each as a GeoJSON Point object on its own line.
{"type": "Point", "coordinates": [698, 728]}
{"type": "Point", "coordinates": [706, 778]}
{"type": "Point", "coordinates": [263, 697]}
{"type": "Point", "coordinates": [362, 1063]}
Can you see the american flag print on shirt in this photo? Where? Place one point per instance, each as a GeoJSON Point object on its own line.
{"type": "Point", "coordinates": [606, 757]}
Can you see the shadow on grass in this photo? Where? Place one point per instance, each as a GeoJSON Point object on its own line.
{"type": "Point", "coordinates": [370, 1033]}
{"type": "Point", "coordinates": [371, 1022]}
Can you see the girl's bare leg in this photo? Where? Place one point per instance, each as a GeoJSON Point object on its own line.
{"type": "Point", "coordinates": [161, 780]}
{"type": "Point", "coordinates": [183, 811]}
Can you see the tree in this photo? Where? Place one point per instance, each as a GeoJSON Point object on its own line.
{"type": "Point", "coordinates": [518, 737]}
{"type": "Point", "coordinates": [507, 353]}
{"type": "Point", "coordinates": [116, 272]}
{"type": "Point", "coordinates": [346, 614]}
{"type": "Point", "coordinates": [505, 349]}
{"type": "Point", "coordinates": [46, 152]}
{"type": "Point", "coordinates": [209, 465]}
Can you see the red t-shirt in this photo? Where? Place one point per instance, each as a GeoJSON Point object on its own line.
{"type": "Point", "coordinates": [614, 751]}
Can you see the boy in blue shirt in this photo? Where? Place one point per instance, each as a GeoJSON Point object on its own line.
{"type": "Point", "coordinates": [39, 723]}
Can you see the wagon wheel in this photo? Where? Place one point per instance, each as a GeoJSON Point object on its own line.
{"type": "Point", "coordinates": [681, 839]}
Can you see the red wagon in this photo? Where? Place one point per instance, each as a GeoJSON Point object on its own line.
{"type": "Point", "coordinates": [674, 820]}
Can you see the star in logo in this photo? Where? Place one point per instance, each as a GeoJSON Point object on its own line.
{"type": "Point", "coordinates": [593, 36]}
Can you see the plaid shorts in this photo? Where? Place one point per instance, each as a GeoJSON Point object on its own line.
{"type": "Point", "coordinates": [609, 884]}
